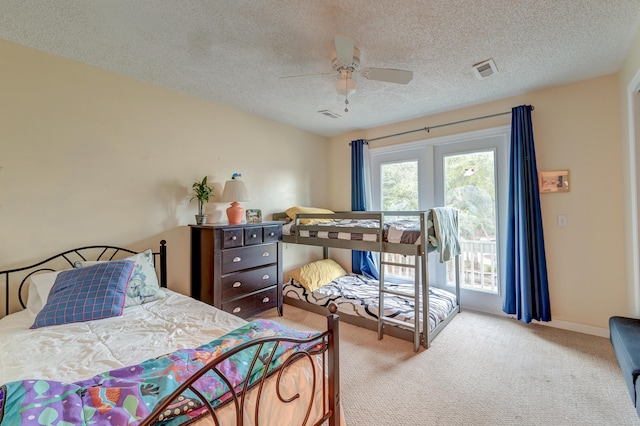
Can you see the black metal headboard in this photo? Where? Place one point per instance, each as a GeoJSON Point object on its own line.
{"type": "Point", "coordinates": [66, 259]}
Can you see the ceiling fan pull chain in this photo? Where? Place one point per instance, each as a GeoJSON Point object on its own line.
{"type": "Point", "coordinates": [346, 93]}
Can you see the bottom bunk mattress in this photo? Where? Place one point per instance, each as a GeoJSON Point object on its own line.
{"type": "Point", "coordinates": [358, 296]}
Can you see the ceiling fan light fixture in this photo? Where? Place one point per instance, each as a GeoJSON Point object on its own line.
{"type": "Point", "coordinates": [346, 86]}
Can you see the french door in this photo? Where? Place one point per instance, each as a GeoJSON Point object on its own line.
{"type": "Point", "coordinates": [468, 172]}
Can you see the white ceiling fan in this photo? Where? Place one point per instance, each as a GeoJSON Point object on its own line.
{"type": "Point", "coordinates": [346, 62]}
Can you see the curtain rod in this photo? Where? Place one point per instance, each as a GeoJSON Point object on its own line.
{"type": "Point", "coordinates": [427, 129]}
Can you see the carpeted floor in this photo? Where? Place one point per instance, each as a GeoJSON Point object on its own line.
{"type": "Point", "coordinates": [481, 370]}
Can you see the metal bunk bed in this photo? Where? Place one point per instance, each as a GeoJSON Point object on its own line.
{"type": "Point", "coordinates": [313, 229]}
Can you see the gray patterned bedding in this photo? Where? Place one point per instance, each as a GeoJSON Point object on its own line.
{"type": "Point", "coordinates": [398, 231]}
{"type": "Point", "coordinates": [358, 296]}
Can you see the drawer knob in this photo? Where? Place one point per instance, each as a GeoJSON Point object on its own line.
{"type": "Point", "coordinates": [265, 277]}
{"type": "Point", "coordinates": [234, 238]}
{"type": "Point", "coordinates": [236, 310]}
{"type": "Point", "coordinates": [253, 235]}
{"type": "Point", "coordinates": [237, 259]}
{"type": "Point", "coordinates": [237, 284]}
{"type": "Point", "coordinates": [271, 234]}
{"type": "Point", "coordinates": [265, 254]}
{"type": "Point", "coordinates": [265, 300]}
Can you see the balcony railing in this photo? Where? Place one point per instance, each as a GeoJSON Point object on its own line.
{"type": "Point", "coordinates": [478, 266]}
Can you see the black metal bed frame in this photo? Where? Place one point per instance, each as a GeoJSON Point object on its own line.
{"type": "Point", "coordinates": [324, 344]}
{"type": "Point", "coordinates": [68, 258]}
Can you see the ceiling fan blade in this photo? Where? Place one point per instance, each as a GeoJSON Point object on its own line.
{"type": "Point", "coordinates": [388, 75]}
{"type": "Point", "coordinates": [344, 49]}
{"type": "Point", "coordinates": [307, 75]}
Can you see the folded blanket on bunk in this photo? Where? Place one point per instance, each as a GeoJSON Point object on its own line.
{"type": "Point", "coordinates": [127, 395]}
{"type": "Point", "coordinates": [445, 226]}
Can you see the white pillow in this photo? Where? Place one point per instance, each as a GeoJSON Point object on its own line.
{"type": "Point", "coordinates": [39, 288]}
{"type": "Point", "coordinates": [143, 285]}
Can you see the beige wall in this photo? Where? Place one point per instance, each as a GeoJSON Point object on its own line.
{"type": "Point", "coordinates": [576, 127]}
{"type": "Point", "coordinates": [90, 157]}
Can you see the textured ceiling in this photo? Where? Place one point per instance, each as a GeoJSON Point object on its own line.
{"type": "Point", "coordinates": [234, 52]}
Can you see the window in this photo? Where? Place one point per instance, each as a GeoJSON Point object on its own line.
{"type": "Point", "coordinates": [467, 171]}
{"type": "Point", "coordinates": [469, 186]}
{"type": "Point", "coordinates": [399, 181]}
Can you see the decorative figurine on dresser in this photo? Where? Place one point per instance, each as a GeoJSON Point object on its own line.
{"type": "Point", "coordinates": [237, 267]}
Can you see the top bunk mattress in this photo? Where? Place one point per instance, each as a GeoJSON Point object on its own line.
{"type": "Point", "coordinates": [401, 231]}
{"type": "Point", "coordinates": [398, 231]}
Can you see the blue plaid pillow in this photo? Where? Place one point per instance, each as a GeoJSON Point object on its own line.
{"type": "Point", "coordinates": [85, 294]}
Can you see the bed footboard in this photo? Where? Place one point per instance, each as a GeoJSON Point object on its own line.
{"type": "Point", "coordinates": [242, 405]}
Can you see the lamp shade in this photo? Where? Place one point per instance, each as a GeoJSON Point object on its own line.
{"type": "Point", "coordinates": [235, 190]}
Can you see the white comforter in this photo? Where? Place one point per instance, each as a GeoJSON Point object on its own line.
{"type": "Point", "coordinates": [77, 351]}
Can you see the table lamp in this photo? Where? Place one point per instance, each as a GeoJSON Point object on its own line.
{"type": "Point", "coordinates": [235, 191]}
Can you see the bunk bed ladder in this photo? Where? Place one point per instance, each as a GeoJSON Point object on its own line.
{"type": "Point", "coordinates": [420, 280]}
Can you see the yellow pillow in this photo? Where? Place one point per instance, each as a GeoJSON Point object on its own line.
{"type": "Point", "coordinates": [317, 274]}
{"type": "Point", "coordinates": [292, 211]}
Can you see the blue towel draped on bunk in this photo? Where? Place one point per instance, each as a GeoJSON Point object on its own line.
{"type": "Point", "coordinates": [445, 226]}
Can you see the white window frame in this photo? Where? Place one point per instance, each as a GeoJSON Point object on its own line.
{"type": "Point", "coordinates": [424, 152]}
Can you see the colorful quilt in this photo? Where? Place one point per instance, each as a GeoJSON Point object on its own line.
{"type": "Point", "coordinates": [127, 395]}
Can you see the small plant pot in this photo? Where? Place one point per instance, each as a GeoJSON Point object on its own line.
{"type": "Point", "coordinates": [201, 219]}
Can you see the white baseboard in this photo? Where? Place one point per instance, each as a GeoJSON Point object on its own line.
{"type": "Point", "coordinates": [580, 328]}
{"type": "Point", "coordinates": [563, 325]}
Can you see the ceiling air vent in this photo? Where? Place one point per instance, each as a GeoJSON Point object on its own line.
{"type": "Point", "coordinates": [485, 69]}
{"type": "Point", "coordinates": [329, 113]}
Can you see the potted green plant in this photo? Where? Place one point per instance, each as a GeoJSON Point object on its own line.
{"type": "Point", "coordinates": [202, 192]}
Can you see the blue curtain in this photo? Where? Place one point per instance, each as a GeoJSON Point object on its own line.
{"type": "Point", "coordinates": [527, 287]}
{"type": "Point", "coordinates": [361, 261]}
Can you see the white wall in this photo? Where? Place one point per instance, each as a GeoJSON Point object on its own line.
{"type": "Point", "coordinates": [630, 73]}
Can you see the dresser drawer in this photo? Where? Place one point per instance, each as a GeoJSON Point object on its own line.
{"type": "Point", "coordinates": [231, 237]}
{"type": "Point", "coordinates": [253, 235]}
{"type": "Point", "coordinates": [271, 234]}
{"type": "Point", "coordinates": [253, 304]}
{"type": "Point", "coordinates": [248, 257]}
{"type": "Point", "coordinates": [239, 283]}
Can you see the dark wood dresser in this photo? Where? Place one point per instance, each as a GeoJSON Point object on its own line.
{"type": "Point", "coordinates": [237, 268]}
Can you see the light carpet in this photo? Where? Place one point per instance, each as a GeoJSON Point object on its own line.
{"type": "Point", "coordinates": [481, 370]}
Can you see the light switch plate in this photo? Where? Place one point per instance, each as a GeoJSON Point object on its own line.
{"type": "Point", "coordinates": [563, 220]}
